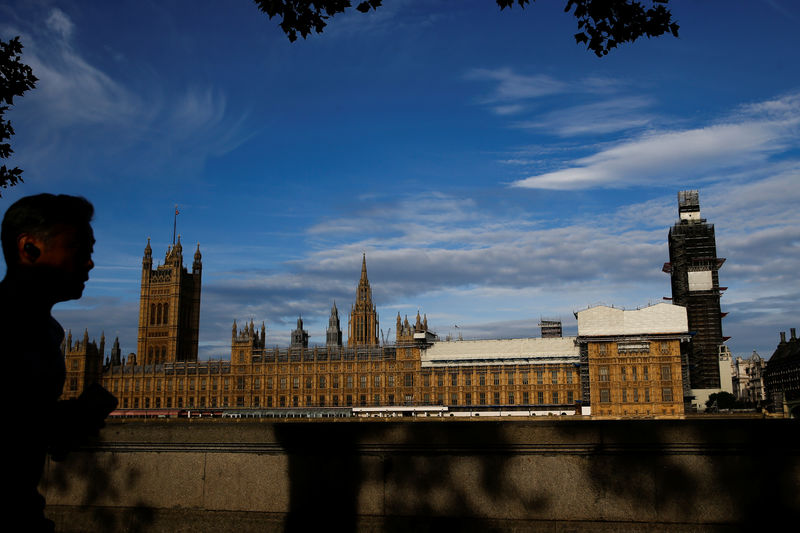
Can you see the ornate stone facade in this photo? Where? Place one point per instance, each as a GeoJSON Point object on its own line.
{"type": "Point", "coordinates": [84, 363]}
{"type": "Point", "coordinates": [634, 359]}
{"type": "Point", "coordinates": [748, 378]}
{"type": "Point", "coordinates": [363, 328]}
{"type": "Point", "coordinates": [415, 370]}
{"type": "Point", "coordinates": [169, 308]}
{"type": "Point", "coordinates": [623, 363]}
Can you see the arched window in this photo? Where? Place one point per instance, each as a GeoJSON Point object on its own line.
{"type": "Point", "coordinates": [150, 356]}
{"type": "Point", "coordinates": [152, 314]}
{"type": "Point", "coordinates": [166, 312]}
{"type": "Point", "coordinates": [163, 354]}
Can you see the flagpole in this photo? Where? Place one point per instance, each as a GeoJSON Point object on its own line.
{"type": "Point", "coordinates": [174, 224]}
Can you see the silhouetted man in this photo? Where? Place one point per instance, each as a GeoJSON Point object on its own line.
{"type": "Point", "coordinates": [47, 244]}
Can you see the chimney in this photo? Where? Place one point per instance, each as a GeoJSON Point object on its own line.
{"type": "Point", "coordinates": [794, 334]}
{"type": "Point", "coordinates": [783, 337]}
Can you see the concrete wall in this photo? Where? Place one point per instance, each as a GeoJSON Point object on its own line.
{"type": "Point", "coordinates": [560, 475]}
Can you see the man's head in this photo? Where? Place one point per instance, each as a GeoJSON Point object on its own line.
{"type": "Point", "coordinates": [48, 239]}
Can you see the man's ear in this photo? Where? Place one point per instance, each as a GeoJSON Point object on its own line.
{"type": "Point", "coordinates": [29, 249]}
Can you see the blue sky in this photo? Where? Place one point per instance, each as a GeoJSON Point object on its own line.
{"type": "Point", "coordinates": [493, 171]}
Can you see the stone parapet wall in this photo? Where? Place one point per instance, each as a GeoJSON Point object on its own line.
{"type": "Point", "coordinates": [213, 475]}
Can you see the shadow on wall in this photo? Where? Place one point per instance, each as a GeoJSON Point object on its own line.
{"type": "Point", "coordinates": [393, 476]}
{"type": "Point", "coordinates": [485, 475]}
{"type": "Point", "coordinates": [95, 477]}
{"type": "Point", "coordinates": [490, 475]}
{"type": "Point", "coordinates": [741, 473]}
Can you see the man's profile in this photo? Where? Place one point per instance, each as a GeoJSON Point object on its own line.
{"type": "Point", "coordinates": [47, 245]}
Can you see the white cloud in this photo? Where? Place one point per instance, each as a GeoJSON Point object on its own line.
{"type": "Point", "coordinates": [59, 22]}
{"type": "Point", "coordinates": [70, 90]}
{"type": "Point", "coordinates": [510, 109]}
{"type": "Point", "coordinates": [608, 116]}
{"type": "Point", "coordinates": [153, 126]}
{"type": "Point", "coordinates": [668, 156]}
{"type": "Point", "coordinates": [512, 87]}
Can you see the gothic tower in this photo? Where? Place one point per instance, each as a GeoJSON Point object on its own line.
{"type": "Point", "coordinates": [334, 328]}
{"type": "Point", "coordinates": [363, 327]}
{"type": "Point", "coordinates": [116, 353]}
{"type": "Point", "coordinates": [84, 363]}
{"type": "Point", "coordinates": [299, 335]}
{"type": "Point", "coordinates": [169, 307]}
{"type": "Point", "coordinates": [694, 269]}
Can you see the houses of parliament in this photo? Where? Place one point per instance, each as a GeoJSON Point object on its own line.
{"type": "Point", "coordinates": [622, 362]}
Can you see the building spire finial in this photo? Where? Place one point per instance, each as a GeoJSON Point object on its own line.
{"type": "Point", "coordinates": [363, 265]}
{"type": "Point", "coordinates": [175, 224]}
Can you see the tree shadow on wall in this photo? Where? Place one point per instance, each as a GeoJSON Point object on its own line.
{"type": "Point", "coordinates": [725, 473]}
{"type": "Point", "coordinates": [101, 482]}
{"type": "Point", "coordinates": [391, 476]}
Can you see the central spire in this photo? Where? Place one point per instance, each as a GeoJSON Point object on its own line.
{"type": "Point", "coordinates": [363, 327]}
{"type": "Point", "coordinates": [364, 268]}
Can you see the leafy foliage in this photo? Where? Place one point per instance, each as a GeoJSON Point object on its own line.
{"type": "Point", "coordinates": [723, 400]}
{"type": "Point", "coordinates": [603, 24]}
{"type": "Point", "coordinates": [306, 15]}
{"type": "Point", "coordinates": [16, 78]}
{"type": "Point", "coordinates": [607, 23]}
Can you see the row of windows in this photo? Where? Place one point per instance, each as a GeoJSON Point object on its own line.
{"type": "Point", "coordinates": [636, 395]}
{"type": "Point", "coordinates": [308, 383]}
{"type": "Point", "coordinates": [634, 373]}
{"type": "Point", "coordinates": [348, 399]}
{"type": "Point", "coordinates": [156, 355]}
{"type": "Point", "coordinates": [159, 313]}
{"type": "Point", "coordinates": [634, 346]}
{"type": "Point", "coordinates": [497, 378]}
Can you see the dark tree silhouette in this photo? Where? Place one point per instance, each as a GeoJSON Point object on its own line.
{"type": "Point", "coordinates": [602, 24]}
{"type": "Point", "coordinates": [15, 78]}
{"type": "Point", "coordinates": [723, 400]}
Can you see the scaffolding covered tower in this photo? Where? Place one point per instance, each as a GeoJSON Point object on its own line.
{"type": "Point", "coordinates": [694, 269]}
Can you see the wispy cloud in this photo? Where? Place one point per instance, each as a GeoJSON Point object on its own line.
{"type": "Point", "coordinates": [149, 120]}
{"type": "Point", "coordinates": [752, 136]}
{"type": "Point", "coordinates": [531, 100]}
{"type": "Point", "coordinates": [70, 90]}
{"type": "Point", "coordinates": [513, 87]}
{"type": "Point", "coordinates": [60, 23]}
{"type": "Point", "coordinates": [616, 114]}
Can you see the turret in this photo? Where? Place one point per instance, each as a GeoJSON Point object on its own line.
{"type": "Point", "coordinates": [299, 336]}
{"type": "Point", "coordinates": [334, 332]}
{"type": "Point", "coordinates": [197, 265]}
{"type": "Point", "coordinates": [115, 353]}
{"type": "Point", "coordinates": [147, 260]}
{"type": "Point", "coordinates": [176, 254]}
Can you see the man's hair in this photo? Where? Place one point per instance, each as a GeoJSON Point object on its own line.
{"type": "Point", "coordinates": [39, 215]}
